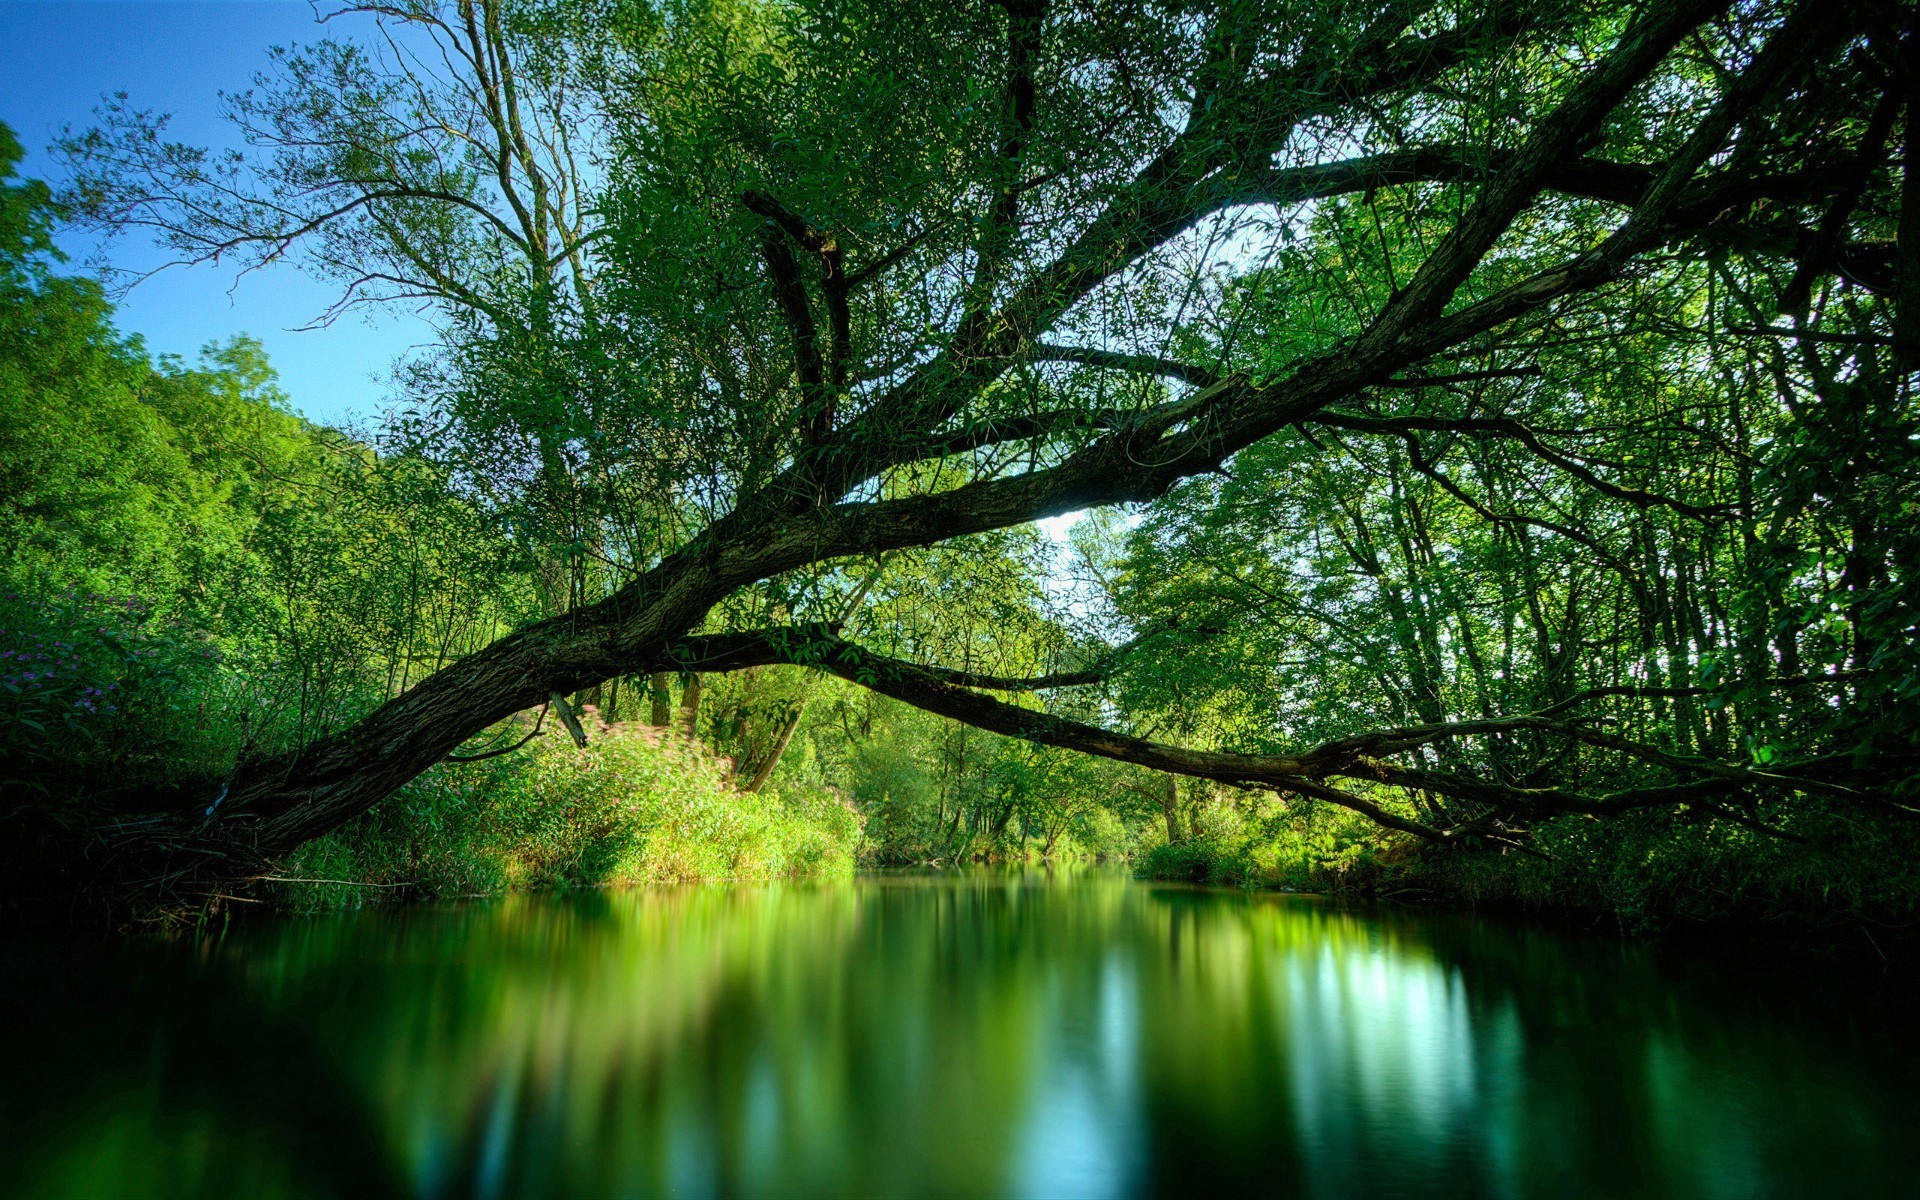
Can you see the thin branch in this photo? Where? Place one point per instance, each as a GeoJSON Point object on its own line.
{"type": "Point", "coordinates": [473, 758]}
{"type": "Point", "coordinates": [1836, 339]}
{"type": "Point", "coordinates": [1144, 364]}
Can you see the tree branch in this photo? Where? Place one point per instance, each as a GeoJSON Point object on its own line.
{"type": "Point", "coordinates": [473, 758]}
{"type": "Point", "coordinates": [1406, 427]}
{"type": "Point", "coordinates": [784, 273]}
{"type": "Point", "coordinates": [1143, 364]}
{"type": "Point", "coordinates": [834, 287]}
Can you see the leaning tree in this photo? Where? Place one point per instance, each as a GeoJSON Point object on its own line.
{"type": "Point", "coordinates": [734, 296]}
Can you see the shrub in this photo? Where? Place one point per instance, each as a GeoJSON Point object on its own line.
{"type": "Point", "coordinates": [637, 805]}
{"type": "Point", "coordinates": [99, 698]}
{"type": "Point", "coordinates": [1650, 872]}
{"type": "Point", "coordinates": [1202, 861]}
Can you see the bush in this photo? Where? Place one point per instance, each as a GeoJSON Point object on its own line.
{"type": "Point", "coordinates": [1296, 846]}
{"type": "Point", "coordinates": [1098, 833]}
{"type": "Point", "coordinates": [897, 791]}
{"type": "Point", "coordinates": [637, 805]}
{"type": "Point", "coordinates": [1650, 872]}
{"type": "Point", "coordinates": [105, 705]}
{"type": "Point", "coordinates": [1202, 861]}
{"type": "Point", "coordinates": [99, 698]}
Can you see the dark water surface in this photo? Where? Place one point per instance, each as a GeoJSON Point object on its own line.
{"type": "Point", "coordinates": [957, 1035]}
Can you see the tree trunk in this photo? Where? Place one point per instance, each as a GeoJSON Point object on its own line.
{"type": "Point", "coordinates": [1170, 803]}
{"type": "Point", "coordinates": [660, 691]}
{"type": "Point", "coordinates": [271, 805]}
{"type": "Point", "coordinates": [564, 711]}
{"type": "Point", "coordinates": [765, 770]}
{"type": "Point", "coordinates": [690, 707]}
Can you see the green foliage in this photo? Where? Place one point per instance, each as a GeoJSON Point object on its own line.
{"type": "Point", "coordinates": [268, 580]}
{"type": "Point", "coordinates": [1202, 862]}
{"type": "Point", "coordinates": [121, 475]}
{"type": "Point", "coordinates": [1297, 846]}
{"type": "Point", "coordinates": [98, 696]}
{"type": "Point", "coordinates": [900, 794]}
{"type": "Point", "coordinates": [1652, 874]}
{"type": "Point", "coordinates": [635, 806]}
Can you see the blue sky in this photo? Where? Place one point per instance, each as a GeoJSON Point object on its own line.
{"type": "Point", "coordinates": [57, 57]}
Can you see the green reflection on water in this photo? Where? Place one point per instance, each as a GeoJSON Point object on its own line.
{"type": "Point", "coordinates": [954, 1035]}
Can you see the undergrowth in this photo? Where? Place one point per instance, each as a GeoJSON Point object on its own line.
{"type": "Point", "coordinates": [637, 805]}
{"type": "Point", "coordinates": [1641, 872]}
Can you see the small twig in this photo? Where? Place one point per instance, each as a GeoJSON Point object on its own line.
{"type": "Point", "coordinates": [1871, 942]}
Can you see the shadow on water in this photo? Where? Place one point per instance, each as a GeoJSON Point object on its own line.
{"type": "Point", "coordinates": [132, 1076]}
{"type": "Point", "coordinates": [951, 1034]}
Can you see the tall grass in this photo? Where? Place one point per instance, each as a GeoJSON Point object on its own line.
{"type": "Point", "coordinates": [637, 805]}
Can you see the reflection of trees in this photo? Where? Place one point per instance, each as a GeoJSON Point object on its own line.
{"type": "Point", "coordinates": [977, 1034]}
{"type": "Point", "coordinates": [509, 1033]}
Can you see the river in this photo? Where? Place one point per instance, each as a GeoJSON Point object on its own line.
{"type": "Point", "coordinates": [954, 1035]}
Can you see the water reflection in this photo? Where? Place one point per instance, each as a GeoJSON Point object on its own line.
{"type": "Point", "coordinates": [959, 1035]}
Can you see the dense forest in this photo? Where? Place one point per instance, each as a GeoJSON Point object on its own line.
{"type": "Point", "coordinates": [1453, 449]}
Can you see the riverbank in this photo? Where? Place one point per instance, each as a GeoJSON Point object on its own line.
{"type": "Point", "coordinates": [1850, 898]}
{"type": "Point", "coordinates": [637, 805]}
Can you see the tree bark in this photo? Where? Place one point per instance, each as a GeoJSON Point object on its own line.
{"type": "Point", "coordinates": [564, 710]}
{"type": "Point", "coordinates": [660, 693]}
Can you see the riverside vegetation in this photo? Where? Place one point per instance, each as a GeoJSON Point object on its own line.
{"type": "Point", "coordinates": [1490, 430]}
{"type": "Point", "coordinates": [193, 572]}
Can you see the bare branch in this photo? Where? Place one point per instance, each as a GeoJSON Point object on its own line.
{"type": "Point", "coordinates": [1143, 364]}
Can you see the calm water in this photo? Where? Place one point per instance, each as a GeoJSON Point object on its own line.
{"type": "Point", "coordinates": [959, 1035]}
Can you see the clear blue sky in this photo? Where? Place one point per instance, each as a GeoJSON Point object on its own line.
{"type": "Point", "coordinates": [57, 58]}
